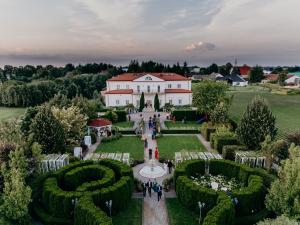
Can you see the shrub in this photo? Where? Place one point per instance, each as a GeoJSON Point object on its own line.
{"type": "Point", "coordinates": [115, 137]}
{"type": "Point", "coordinates": [187, 115]}
{"type": "Point", "coordinates": [294, 138]}
{"type": "Point", "coordinates": [220, 141]}
{"type": "Point", "coordinates": [93, 137]}
{"type": "Point", "coordinates": [122, 115]}
{"type": "Point", "coordinates": [229, 151]}
{"type": "Point", "coordinates": [222, 213]}
{"type": "Point", "coordinates": [206, 130]}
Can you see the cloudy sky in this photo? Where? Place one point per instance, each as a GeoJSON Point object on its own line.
{"type": "Point", "coordinates": [265, 32]}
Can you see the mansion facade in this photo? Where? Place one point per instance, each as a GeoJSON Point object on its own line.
{"type": "Point", "coordinates": [127, 88]}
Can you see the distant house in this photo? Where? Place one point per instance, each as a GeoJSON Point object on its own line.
{"type": "Point", "coordinates": [293, 81]}
{"type": "Point", "coordinates": [236, 80]}
{"type": "Point", "coordinates": [244, 70]}
{"type": "Point", "coordinates": [212, 76]}
{"type": "Point", "coordinates": [270, 78]}
{"type": "Point", "coordinates": [194, 69]}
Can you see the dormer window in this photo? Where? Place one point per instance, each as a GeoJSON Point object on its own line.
{"type": "Point", "coordinates": [148, 78]}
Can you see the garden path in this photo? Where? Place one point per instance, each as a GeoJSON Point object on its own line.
{"type": "Point", "coordinates": [205, 143]}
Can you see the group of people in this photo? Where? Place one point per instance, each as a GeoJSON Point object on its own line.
{"type": "Point", "coordinates": [153, 125]}
{"type": "Point", "coordinates": [149, 186]}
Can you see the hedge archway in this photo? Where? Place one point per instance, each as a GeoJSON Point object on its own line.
{"type": "Point", "coordinates": [76, 193]}
{"type": "Point", "coordinates": [219, 207]}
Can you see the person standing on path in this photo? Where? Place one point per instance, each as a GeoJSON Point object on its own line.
{"type": "Point", "coordinates": [149, 186]}
{"type": "Point", "coordinates": [159, 192]}
{"type": "Point", "coordinates": [170, 165]}
{"type": "Point", "coordinates": [156, 153]}
{"type": "Point", "coordinates": [150, 122]}
{"type": "Point", "coordinates": [150, 153]}
{"type": "Point", "coordinates": [145, 143]}
{"type": "Point", "coordinates": [144, 189]}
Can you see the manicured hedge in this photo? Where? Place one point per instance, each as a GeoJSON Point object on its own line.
{"type": "Point", "coordinates": [252, 219]}
{"type": "Point", "coordinates": [129, 131]}
{"type": "Point", "coordinates": [112, 138]}
{"type": "Point", "coordinates": [180, 131]}
{"type": "Point", "coordinates": [223, 213]}
{"type": "Point", "coordinates": [229, 151]}
{"type": "Point", "coordinates": [250, 197]}
{"type": "Point", "coordinates": [206, 130]}
{"type": "Point", "coordinates": [188, 115]}
{"type": "Point", "coordinates": [101, 181]}
{"type": "Point", "coordinates": [220, 141]}
{"type": "Point", "coordinates": [122, 115]}
{"type": "Point", "coordinates": [87, 213]}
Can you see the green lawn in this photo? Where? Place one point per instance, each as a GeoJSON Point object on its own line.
{"type": "Point", "coordinates": [179, 125]}
{"type": "Point", "coordinates": [168, 145]}
{"type": "Point", "coordinates": [132, 215]}
{"type": "Point", "coordinates": [124, 125]}
{"type": "Point", "coordinates": [130, 144]}
{"type": "Point", "coordinates": [9, 113]}
{"type": "Point", "coordinates": [179, 215]}
{"type": "Point", "coordinates": [286, 108]}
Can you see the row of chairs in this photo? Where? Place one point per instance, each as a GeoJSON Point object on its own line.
{"type": "Point", "coordinates": [122, 157]}
{"type": "Point", "coordinates": [186, 155]}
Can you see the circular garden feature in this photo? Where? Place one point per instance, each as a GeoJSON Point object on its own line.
{"type": "Point", "coordinates": [243, 204]}
{"type": "Point", "coordinates": [77, 193]}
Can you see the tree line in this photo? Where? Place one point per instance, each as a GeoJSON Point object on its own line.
{"type": "Point", "coordinates": [20, 94]}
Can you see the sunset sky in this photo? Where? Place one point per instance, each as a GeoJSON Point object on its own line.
{"type": "Point", "coordinates": [265, 32]}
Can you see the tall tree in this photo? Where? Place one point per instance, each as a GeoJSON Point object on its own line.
{"type": "Point", "coordinates": [156, 102]}
{"type": "Point", "coordinates": [213, 68]}
{"type": "Point", "coordinates": [142, 102]}
{"type": "Point", "coordinates": [47, 131]}
{"type": "Point", "coordinates": [207, 94]}
{"type": "Point", "coordinates": [282, 76]}
{"type": "Point", "coordinates": [256, 123]}
{"type": "Point", "coordinates": [256, 74]}
{"type": "Point", "coordinates": [17, 195]}
{"type": "Point", "coordinates": [73, 123]}
{"type": "Point", "coordinates": [283, 197]}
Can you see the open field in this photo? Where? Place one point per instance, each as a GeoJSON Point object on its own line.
{"type": "Point", "coordinates": [178, 214]}
{"type": "Point", "coordinates": [132, 215]}
{"type": "Point", "coordinates": [10, 113]}
{"type": "Point", "coordinates": [130, 144]}
{"type": "Point", "coordinates": [168, 145]}
{"type": "Point", "coordinates": [286, 108]}
{"type": "Point", "coordinates": [179, 125]}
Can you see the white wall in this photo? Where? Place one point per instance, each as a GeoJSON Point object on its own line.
{"type": "Point", "coordinates": [111, 99]}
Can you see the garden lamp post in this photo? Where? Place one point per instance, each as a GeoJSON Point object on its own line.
{"type": "Point", "coordinates": [201, 205]}
{"type": "Point", "coordinates": [109, 206]}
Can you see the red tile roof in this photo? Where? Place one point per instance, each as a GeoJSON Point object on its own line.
{"type": "Point", "coordinates": [272, 77]}
{"type": "Point", "coordinates": [177, 91]}
{"type": "Point", "coordinates": [163, 76]}
{"type": "Point", "coordinates": [99, 122]}
{"type": "Point", "coordinates": [120, 91]}
{"type": "Point", "coordinates": [244, 70]}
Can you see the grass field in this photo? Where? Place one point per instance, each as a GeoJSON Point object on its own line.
{"type": "Point", "coordinates": [168, 145]}
{"type": "Point", "coordinates": [286, 108]}
{"type": "Point", "coordinates": [10, 113]}
{"type": "Point", "coordinates": [130, 144]}
{"type": "Point", "coordinates": [179, 215]}
{"type": "Point", "coordinates": [132, 215]}
{"type": "Point", "coordinates": [179, 125]}
{"type": "Point", "coordinates": [124, 125]}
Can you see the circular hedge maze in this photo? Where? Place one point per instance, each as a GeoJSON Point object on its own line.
{"type": "Point", "coordinates": [77, 193]}
{"type": "Point", "coordinates": [221, 207]}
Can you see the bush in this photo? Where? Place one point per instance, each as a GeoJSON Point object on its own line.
{"type": "Point", "coordinates": [93, 137]}
{"type": "Point", "coordinates": [187, 115]}
{"type": "Point", "coordinates": [220, 141]}
{"type": "Point", "coordinates": [115, 137]}
{"type": "Point", "coordinates": [252, 219]}
{"type": "Point", "coordinates": [206, 130]}
{"type": "Point", "coordinates": [122, 115]}
{"type": "Point", "coordinates": [294, 138]}
{"type": "Point", "coordinates": [229, 151]}
{"type": "Point", "coordinates": [222, 213]}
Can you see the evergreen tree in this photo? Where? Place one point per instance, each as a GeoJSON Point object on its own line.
{"type": "Point", "coordinates": [156, 102]}
{"type": "Point", "coordinates": [257, 122]}
{"type": "Point", "coordinates": [142, 102]}
{"type": "Point", "coordinates": [17, 195]}
{"type": "Point", "coordinates": [281, 78]}
{"type": "Point", "coordinates": [47, 131]}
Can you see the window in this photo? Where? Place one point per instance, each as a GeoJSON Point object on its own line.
{"type": "Point", "coordinates": [127, 86]}
{"type": "Point", "coordinates": [148, 78]}
{"type": "Point", "coordinates": [148, 88]}
{"type": "Point", "coordinates": [179, 101]}
{"type": "Point", "coordinates": [118, 86]}
{"type": "Point", "coordinates": [117, 102]}
{"type": "Point", "coordinates": [138, 89]}
{"type": "Point", "coordinates": [127, 102]}
{"type": "Point", "coordinates": [158, 88]}
{"type": "Point", "coordinates": [178, 85]}
{"type": "Point", "coordinates": [169, 85]}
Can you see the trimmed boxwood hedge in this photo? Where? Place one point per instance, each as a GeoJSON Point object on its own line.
{"type": "Point", "coordinates": [100, 181]}
{"type": "Point", "coordinates": [250, 197]}
{"type": "Point", "coordinates": [220, 141]}
{"type": "Point", "coordinates": [229, 151]}
{"type": "Point", "coordinates": [188, 114]}
{"type": "Point", "coordinates": [206, 130]}
{"type": "Point", "coordinates": [122, 115]}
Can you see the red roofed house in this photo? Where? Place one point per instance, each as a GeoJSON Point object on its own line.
{"type": "Point", "coordinates": [101, 125]}
{"type": "Point", "coordinates": [244, 70]}
{"type": "Point", "coordinates": [127, 88]}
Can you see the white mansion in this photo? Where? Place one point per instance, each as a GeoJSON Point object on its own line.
{"type": "Point", "coordinates": [127, 88]}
